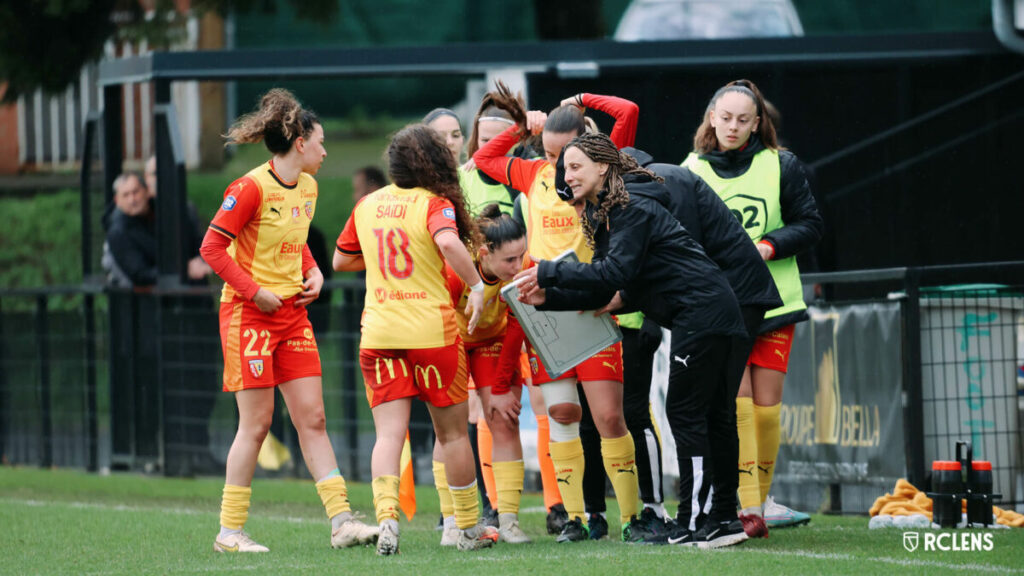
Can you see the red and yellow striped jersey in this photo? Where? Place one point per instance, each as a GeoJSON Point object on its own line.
{"type": "Point", "coordinates": [407, 303]}
{"type": "Point", "coordinates": [493, 318]}
{"type": "Point", "coordinates": [267, 220]}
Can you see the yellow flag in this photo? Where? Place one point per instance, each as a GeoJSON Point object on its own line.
{"type": "Point", "coordinates": [406, 484]}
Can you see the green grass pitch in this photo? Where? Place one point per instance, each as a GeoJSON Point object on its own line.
{"type": "Point", "coordinates": [70, 522]}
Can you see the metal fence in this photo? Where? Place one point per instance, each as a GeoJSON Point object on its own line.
{"type": "Point", "coordinates": [133, 379]}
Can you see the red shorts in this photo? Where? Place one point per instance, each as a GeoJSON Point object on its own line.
{"type": "Point", "coordinates": [771, 349]}
{"type": "Point", "coordinates": [263, 350]}
{"type": "Point", "coordinates": [436, 375]}
{"type": "Point", "coordinates": [605, 365]}
{"type": "Point", "coordinates": [483, 363]}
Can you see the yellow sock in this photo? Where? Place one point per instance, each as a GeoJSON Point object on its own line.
{"type": "Point", "coordinates": [441, 483]}
{"type": "Point", "coordinates": [385, 497]}
{"type": "Point", "coordinates": [547, 469]}
{"type": "Point", "coordinates": [485, 447]}
{"type": "Point", "coordinates": [467, 505]}
{"type": "Point", "coordinates": [749, 490]}
{"type": "Point", "coordinates": [567, 458]}
{"type": "Point", "coordinates": [619, 455]}
{"type": "Point", "coordinates": [234, 506]}
{"type": "Point", "coordinates": [766, 418]}
{"type": "Point", "coordinates": [334, 495]}
{"type": "Point", "coordinates": [508, 478]}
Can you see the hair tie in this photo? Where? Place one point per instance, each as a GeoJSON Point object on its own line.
{"type": "Point", "coordinates": [496, 119]}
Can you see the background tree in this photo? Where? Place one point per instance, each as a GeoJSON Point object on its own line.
{"type": "Point", "coordinates": [45, 43]}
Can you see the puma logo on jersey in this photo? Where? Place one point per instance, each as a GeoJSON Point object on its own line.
{"type": "Point", "coordinates": [275, 211]}
{"type": "Point", "coordinates": [684, 361]}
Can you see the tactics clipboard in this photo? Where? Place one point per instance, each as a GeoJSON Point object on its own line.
{"type": "Point", "coordinates": [562, 339]}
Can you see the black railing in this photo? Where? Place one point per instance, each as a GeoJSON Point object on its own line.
{"type": "Point", "coordinates": [157, 358]}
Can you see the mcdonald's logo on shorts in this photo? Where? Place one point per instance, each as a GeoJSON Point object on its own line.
{"type": "Point", "coordinates": [423, 373]}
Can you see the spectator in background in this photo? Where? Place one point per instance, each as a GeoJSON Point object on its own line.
{"type": "Point", "coordinates": [131, 235]}
{"type": "Point", "coordinates": [365, 180]}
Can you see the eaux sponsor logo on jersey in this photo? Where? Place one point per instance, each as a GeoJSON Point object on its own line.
{"type": "Point", "coordinates": [256, 367]}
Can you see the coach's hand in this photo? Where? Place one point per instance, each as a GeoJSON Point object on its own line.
{"type": "Point", "coordinates": [614, 304]}
{"type": "Point", "coordinates": [267, 301]}
{"type": "Point", "coordinates": [507, 406]}
{"type": "Point", "coordinates": [311, 287]}
{"type": "Point", "coordinates": [474, 306]}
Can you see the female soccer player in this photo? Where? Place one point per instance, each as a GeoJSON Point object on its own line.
{"type": "Point", "coordinates": [402, 235]}
{"type": "Point", "coordinates": [493, 351]}
{"type": "Point", "coordinates": [552, 228]}
{"type": "Point", "coordinates": [446, 123]}
{"type": "Point", "coordinates": [257, 244]}
{"type": "Point", "coordinates": [736, 152]}
{"type": "Point", "coordinates": [644, 259]}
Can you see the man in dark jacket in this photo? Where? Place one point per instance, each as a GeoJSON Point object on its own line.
{"type": "Point", "coordinates": [131, 235]}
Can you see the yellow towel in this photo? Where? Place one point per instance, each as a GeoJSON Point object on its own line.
{"type": "Point", "coordinates": [906, 499]}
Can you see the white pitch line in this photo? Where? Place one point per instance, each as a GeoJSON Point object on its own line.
{"type": "Point", "coordinates": [556, 556]}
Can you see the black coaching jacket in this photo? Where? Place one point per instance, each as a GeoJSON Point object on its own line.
{"type": "Point", "coordinates": [643, 252]}
{"type": "Point", "coordinates": [709, 221]}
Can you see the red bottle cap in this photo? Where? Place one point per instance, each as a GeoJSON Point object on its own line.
{"type": "Point", "coordinates": [945, 465]}
{"type": "Point", "coordinates": [981, 465]}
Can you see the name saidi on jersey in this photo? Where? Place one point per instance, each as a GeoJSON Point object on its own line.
{"type": "Point", "coordinates": [391, 211]}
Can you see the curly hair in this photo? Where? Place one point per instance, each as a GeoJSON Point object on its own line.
{"type": "Point", "coordinates": [278, 122]}
{"type": "Point", "coordinates": [705, 140]}
{"type": "Point", "coordinates": [600, 148]}
{"type": "Point", "coordinates": [418, 157]}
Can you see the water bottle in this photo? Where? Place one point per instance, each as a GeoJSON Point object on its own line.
{"type": "Point", "coordinates": [947, 493]}
{"type": "Point", "coordinates": [979, 504]}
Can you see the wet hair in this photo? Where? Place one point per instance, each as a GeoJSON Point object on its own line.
{"type": "Point", "coordinates": [497, 227]}
{"type": "Point", "coordinates": [418, 157]}
{"type": "Point", "coordinates": [512, 104]}
{"type": "Point", "coordinates": [488, 110]}
{"type": "Point", "coordinates": [600, 148]}
{"type": "Point", "coordinates": [568, 119]}
{"type": "Point", "coordinates": [278, 122]}
{"type": "Point", "coordinates": [705, 140]}
{"type": "Point", "coordinates": [373, 176]}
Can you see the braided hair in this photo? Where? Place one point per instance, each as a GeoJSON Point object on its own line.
{"type": "Point", "coordinates": [600, 148]}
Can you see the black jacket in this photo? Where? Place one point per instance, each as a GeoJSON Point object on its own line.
{"type": "Point", "coordinates": [643, 252]}
{"type": "Point", "coordinates": [132, 241]}
{"type": "Point", "coordinates": [709, 221]}
{"type": "Point", "coordinates": [802, 224]}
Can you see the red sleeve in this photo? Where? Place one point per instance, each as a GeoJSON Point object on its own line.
{"type": "Point", "coordinates": [515, 172]}
{"type": "Point", "coordinates": [348, 240]}
{"type": "Point", "coordinates": [440, 216]}
{"type": "Point", "coordinates": [308, 261]}
{"type": "Point", "coordinates": [508, 361]}
{"type": "Point", "coordinates": [625, 113]}
{"type": "Point", "coordinates": [215, 252]}
{"type": "Point", "coordinates": [455, 284]}
{"type": "Point", "coordinates": [241, 204]}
